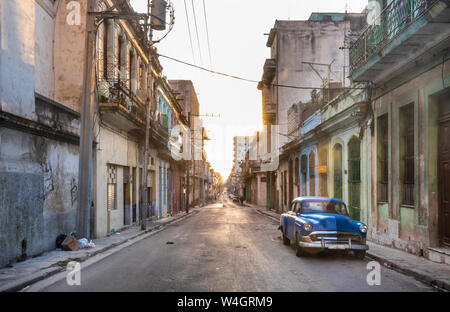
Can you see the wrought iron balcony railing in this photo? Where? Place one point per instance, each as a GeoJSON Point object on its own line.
{"type": "Point", "coordinates": [393, 20]}
{"type": "Point", "coordinates": [116, 93]}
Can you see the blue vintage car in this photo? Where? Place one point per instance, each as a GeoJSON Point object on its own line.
{"type": "Point", "coordinates": [319, 223]}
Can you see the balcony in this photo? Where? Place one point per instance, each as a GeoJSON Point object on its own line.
{"type": "Point", "coordinates": [403, 31]}
{"type": "Point", "coordinates": [121, 107]}
{"type": "Point", "coordinates": [159, 134]}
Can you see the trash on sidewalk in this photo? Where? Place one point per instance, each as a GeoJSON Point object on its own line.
{"type": "Point", "coordinates": [59, 240]}
{"type": "Point", "coordinates": [70, 244]}
{"type": "Point", "coordinates": [86, 244]}
{"type": "Point", "coordinates": [276, 238]}
{"type": "Point", "coordinates": [170, 243]}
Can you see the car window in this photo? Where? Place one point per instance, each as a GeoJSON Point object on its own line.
{"type": "Point", "coordinates": [324, 206]}
{"type": "Point", "coordinates": [292, 206]}
{"type": "Point", "coordinates": [297, 207]}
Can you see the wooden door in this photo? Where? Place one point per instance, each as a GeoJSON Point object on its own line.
{"type": "Point", "coordinates": [444, 169]}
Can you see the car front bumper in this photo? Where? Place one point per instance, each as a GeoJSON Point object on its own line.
{"type": "Point", "coordinates": [334, 245]}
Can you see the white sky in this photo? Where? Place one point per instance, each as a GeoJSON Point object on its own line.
{"type": "Point", "coordinates": [238, 47]}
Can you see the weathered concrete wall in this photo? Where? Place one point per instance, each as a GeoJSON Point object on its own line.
{"type": "Point", "coordinates": [38, 183]}
{"type": "Point", "coordinates": [39, 163]}
{"type": "Point", "coordinates": [69, 56]}
{"type": "Point", "coordinates": [44, 34]}
{"type": "Point", "coordinates": [412, 228]}
{"type": "Point", "coordinates": [306, 41]}
{"type": "Point", "coordinates": [17, 58]}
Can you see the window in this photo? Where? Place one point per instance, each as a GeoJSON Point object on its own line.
{"type": "Point", "coordinates": [382, 158]}
{"type": "Point", "coordinates": [120, 57]}
{"type": "Point", "coordinates": [111, 188]}
{"type": "Point", "coordinates": [130, 65]}
{"type": "Point", "coordinates": [112, 196]}
{"type": "Point", "coordinates": [407, 153]}
{"type": "Point", "coordinates": [296, 172]}
{"type": "Point", "coordinates": [105, 49]}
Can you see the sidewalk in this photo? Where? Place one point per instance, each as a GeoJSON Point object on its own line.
{"type": "Point", "coordinates": [432, 273]}
{"type": "Point", "coordinates": [32, 270]}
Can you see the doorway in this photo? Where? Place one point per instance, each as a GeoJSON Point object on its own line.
{"type": "Point", "coordinates": [337, 171]}
{"type": "Point", "coordinates": [354, 178]}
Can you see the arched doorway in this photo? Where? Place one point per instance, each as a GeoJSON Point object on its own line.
{"type": "Point", "coordinates": [312, 174]}
{"type": "Point", "coordinates": [337, 171]}
{"type": "Point", "coordinates": [354, 178]}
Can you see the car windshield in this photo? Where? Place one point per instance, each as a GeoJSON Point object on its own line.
{"type": "Point", "coordinates": [324, 206]}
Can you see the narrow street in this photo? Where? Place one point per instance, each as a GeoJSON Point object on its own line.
{"type": "Point", "coordinates": [226, 247]}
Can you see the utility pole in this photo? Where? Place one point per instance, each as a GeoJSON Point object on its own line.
{"type": "Point", "coordinates": [150, 92]}
{"type": "Point", "coordinates": [86, 136]}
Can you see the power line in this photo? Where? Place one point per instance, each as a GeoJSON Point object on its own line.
{"type": "Point", "coordinates": [207, 34]}
{"type": "Point", "coordinates": [196, 30]}
{"type": "Point", "coordinates": [251, 80]}
{"type": "Point", "coordinates": [189, 30]}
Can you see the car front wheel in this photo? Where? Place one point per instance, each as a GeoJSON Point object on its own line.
{"type": "Point", "coordinates": [299, 252]}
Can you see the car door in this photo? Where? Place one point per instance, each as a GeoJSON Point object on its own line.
{"type": "Point", "coordinates": [290, 225]}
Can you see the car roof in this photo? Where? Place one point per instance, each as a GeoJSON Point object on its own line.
{"type": "Point", "coordinates": [304, 198]}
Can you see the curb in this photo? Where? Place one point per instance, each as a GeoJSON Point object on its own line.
{"type": "Point", "coordinates": [267, 215]}
{"type": "Point", "coordinates": [442, 285]}
{"type": "Point", "coordinates": [41, 275]}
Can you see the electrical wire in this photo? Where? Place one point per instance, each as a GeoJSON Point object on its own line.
{"type": "Point", "coordinates": [251, 80]}
{"type": "Point", "coordinates": [196, 30]}
{"type": "Point", "coordinates": [207, 34]}
{"type": "Point", "coordinates": [189, 30]}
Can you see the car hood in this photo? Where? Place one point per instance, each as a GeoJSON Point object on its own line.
{"type": "Point", "coordinates": [328, 222]}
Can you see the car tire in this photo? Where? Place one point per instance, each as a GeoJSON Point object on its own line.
{"type": "Point", "coordinates": [299, 252]}
{"type": "Point", "coordinates": [360, 254]}
{"type": "Point", "coordinates": [286, 241]}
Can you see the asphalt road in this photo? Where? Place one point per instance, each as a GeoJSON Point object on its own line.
{"type": "Point", "coordinates": [225, 247]}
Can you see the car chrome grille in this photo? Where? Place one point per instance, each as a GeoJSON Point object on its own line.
{"type": "Point", "coordinates": [335, 236]}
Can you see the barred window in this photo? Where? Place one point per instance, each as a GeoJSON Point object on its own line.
{"type": "Point", "coordinates": [382, 158]}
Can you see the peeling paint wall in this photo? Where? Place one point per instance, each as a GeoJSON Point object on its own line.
{"type": "Point", "coordinates": [412, 228]}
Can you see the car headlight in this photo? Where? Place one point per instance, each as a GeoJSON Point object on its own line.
{"type": "Point", "coordinates": [363, 228]}
{"type": "Point", "coordinates": [307, 227]}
